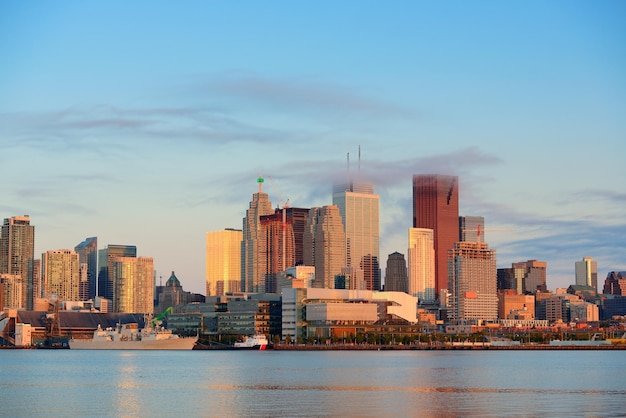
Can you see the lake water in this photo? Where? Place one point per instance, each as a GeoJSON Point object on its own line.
{"type": "Point", "coordinates": [36, 383]}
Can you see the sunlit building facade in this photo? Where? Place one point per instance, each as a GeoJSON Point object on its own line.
{"type": "Point", "coordinates": [253, 261]}
{"type": "Point", "coordinates": [359, 207]}
{"type": "Point", "coordinates": [421, 262]}
{"type": "Point", "coordinates": [133, 279]}
{"type": "Point", "coordinates": [17, 254]}
{"type": "Point", "coordinates": [61, 274]}
{"type": "Point", "coordinates": [105, 267]}
{"type": "Point", "coordinates": [223, 261]}
{"type": "Point", "coordinates": [436, 207]}
{"type": "Point", "coordinates": [472, 268]}
{"type": "Point", "coordinates": [325, 245]}
{"type": "Point", "coordinates": [587, 272]}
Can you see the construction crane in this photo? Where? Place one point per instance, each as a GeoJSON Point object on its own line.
{"type": "Point", "coordinates": [479, 231]}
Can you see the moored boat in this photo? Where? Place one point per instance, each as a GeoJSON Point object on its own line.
{"type": "Point", "coordinates": [254, 342]}
{"type": "Point", "coordinates": [131, 337]}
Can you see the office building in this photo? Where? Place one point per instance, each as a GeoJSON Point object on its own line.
{"type": "Point", "coordinates": [615, 283]}
{"type": "Point", "coordinates": [472, 267]}
{"type": "Point", "coordinates": [133, 279]}
{"type": "Point", "coordinates": [422, 265]}
{"type": "Point", "coordinates": [88, 259]}
{"type": "Point", "coordinates": [324, 243]}
{"type": "Point", "coordinates": [523, 277]}
{"type": "Point", "coordinates": [436, 207]}
{"type": "Point", "coordinates": [17, 255]}
{"type": "Point", "coordinates": [223, 261]}
{"type": "Point", "coordinates": [587, 272]}
{"type": "Point", "coordinates": [396, 274]}
{"type": "Point", "coordinates": [278, 247]}
{"type": "Point", "coordinates": [253, 247]}
{"type": "Point", "coordinates": [360, 212]}
{"type": "Point", "coordinates": [105, 267]}
{"type": "Point", "coordinates": [60, 275]}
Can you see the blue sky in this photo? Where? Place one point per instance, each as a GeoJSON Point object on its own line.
{"type": "Point", "coordinates": [147, 123]}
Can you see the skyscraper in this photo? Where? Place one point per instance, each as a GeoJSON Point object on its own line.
{"type": "Point", "coordinates": [133, 279]}
{"type": "Point", "coordinates": [324, 244]}
{"type": "Point", "coordinates": [436, 207]}
{"type": "Point", "coordinates": [88, 259]}
{"type": "Point", "coordinates": [422, 265]}
{"type": "Point", "coordinates": [105, 263]}
{"type": "Point", "coordinates": [396, 274]}
{"type": "Point", "coordinates": [587, 272]}
{"type": "Point", "coordinates": [278, 247]}
{"type": "Point", "coordinates": [17, 254]}
{"type": "Point", "coordinates": [252, 245]}
{"type": "Point", "coordinates": [60, 274]}
{"type": "Point", "coordinates": [360, 211]}
{"type": "Point", "coordinates": [223, 261]}
{"type": "Point", "coordinates": [472, 268]}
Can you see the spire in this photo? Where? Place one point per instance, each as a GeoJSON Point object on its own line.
{"type": "Point", "coordinates": [260, 180]}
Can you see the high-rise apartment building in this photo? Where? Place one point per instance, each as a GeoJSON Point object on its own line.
{"type": "Point", "coordinates": [105, 263]}
{"type": "Point", "coordinates": [324, 243]}
{"type": "Point", "coordinates": [223, 261]}
{"type": "Point", "coordinates": [472, 229]}
{"type": "Point", "coordinates": [396, 274]}
{"type": "Point", "coordinates": [60, 274]}
{"type": "Point", "coordinates": [17, 255]}
{"type": "Point", "coordinates": [359, 207]}
{"type": "Point", "coordinates": [523, 277]}
{"type": "Point", "coordinates": [422, 265]}
{"type": "Point", "coordinates": [88, 259]}
{"type": "Point", "coordinates": [436, 207]}
{"type": "Point", "coordinates": [472, 268]}
{"type": "Point", "coordinates": [587, 272]}
{"type": "Point", "coordinates": [133, 279]}
{"type": "Point", "coordinates": [253, 262]}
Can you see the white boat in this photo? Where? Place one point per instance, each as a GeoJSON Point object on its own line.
{"type": "Point", "coordinates": [130, 337]}
{"type": "Point", "coordinates": [255, 342]}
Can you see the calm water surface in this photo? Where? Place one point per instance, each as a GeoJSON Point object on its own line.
{"type": "Point", "coordinates": [35, 383]}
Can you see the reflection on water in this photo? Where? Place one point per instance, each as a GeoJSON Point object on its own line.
{"type": "Point", "coordinates": [210, 383]}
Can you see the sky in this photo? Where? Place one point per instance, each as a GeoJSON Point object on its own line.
{"type": "Point", "coordinates": [147, 123]}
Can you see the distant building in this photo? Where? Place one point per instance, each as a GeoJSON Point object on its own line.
{"type": "Point", "coordinates": [17, 255]}
{"type": "Point", "coordinates": [12, 289]}
{"type": "Point", "coordinates": [105, 265]}
{"type": "Point", "coordinates": [510, 304]}
{"type": "Point", "coordinates": [472, 269]}
{"type": "Point", "coordinates": [171, 295]}
{"type": "Point", "coordinates": [223, 261]}
{"type": "Point", "coordinates": [615, 283]}
{"type": "Point", "coordinates": [324, 241]}
{"type": "Point", "coordinates": [253, 246]}
{"type": "Point", "coordinates": [133, 279]}
{"type": "Point", "coordinates": [278, 249]}
{"type": "Point", "coordinates": [421, 261]}
{"type": "Point", "coordinates": [436, 207]}
{"type": "Point", "coordinates": [523, 277]}
{"type": "Point", "coordinates": [88, 259]}
{"type": "Point", "coordinates": [60, 273]}
{"type": "Point", "coordinates": [587, 272]}
{"type": "Point", "coordinates": [396, 274]}
{"type": "Point", "coordinates": [359, 207]}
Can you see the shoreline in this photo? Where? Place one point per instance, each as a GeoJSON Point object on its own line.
{"type": "Point", "coordinates": [374, 347]}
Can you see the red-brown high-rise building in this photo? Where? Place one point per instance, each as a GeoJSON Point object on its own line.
{"type": "Point", "coordinates": [436, 206]}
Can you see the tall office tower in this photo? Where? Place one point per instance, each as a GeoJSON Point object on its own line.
{"type": "Point", "coordinates": [360, 208]}
{"type": "Point", "coordinates": [523, 277]}
{"type": "Point", "coordinates": [472, 268]}
{"type": "Point", "coordinates": [325, 245]}
{"type": "Point", "coordinates": [587, 272]}
{"type": "Point", "coordinates": [297, 218]}
{"type": "Point", "coordinates": [252, 244]}
{"type": "Point", "coordinates": [396, 275]}
{"type": "Point", "coordinates": [223, 261]}
{"type": "Point", "coordinates": [17, 254]}
{"type": "Point", "coordinates": [422, 265]}
{"type": "Point", "coordinates": [88, 259]}
{"type": "Point", "coordinates": [471, 228]}
{"type": "Point", "coordinates": [60, 274]}
{"type": "Point", "coordinates": [105, 264]}
{"type": "Point", "coordinates": [133, 279]}
{"type": "Point", "coordinates": [436, 207]}
{"type": "Point", "coordinates": [278, 248]}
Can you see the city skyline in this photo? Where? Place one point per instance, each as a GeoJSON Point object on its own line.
{"type": "Point", "coordinates": [149, 125]}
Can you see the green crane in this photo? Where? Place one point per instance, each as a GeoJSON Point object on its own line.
{"type": "Point", "coordinates": [159, 318]}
